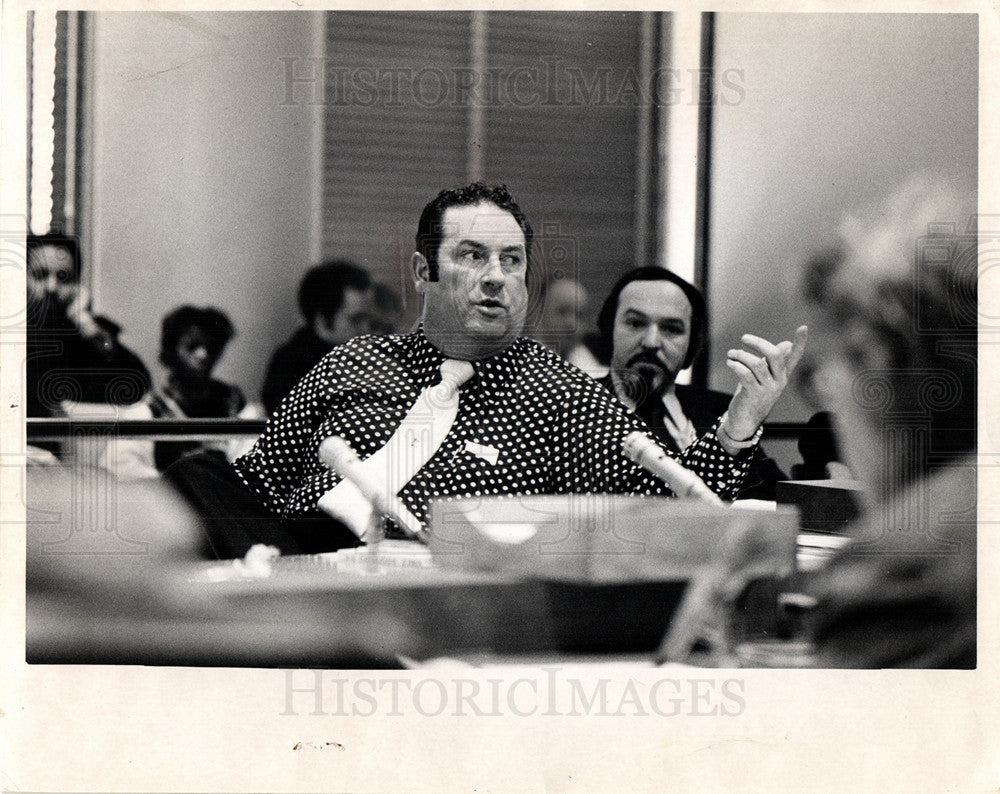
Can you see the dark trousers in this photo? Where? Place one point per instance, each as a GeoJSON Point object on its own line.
{"type": "Point", "coordinates": [234, 518]}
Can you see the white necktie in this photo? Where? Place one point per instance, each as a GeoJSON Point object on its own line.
{"type": "Point", "coordinates": [418, 437]}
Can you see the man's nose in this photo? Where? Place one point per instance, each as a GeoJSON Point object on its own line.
{"type": "Point", "coordinates": [51, 282]}
{"type": "Point", "coordinates": [493, 273]}
{"type": "Point", "coordinates": [651, 339]}
{"type": "Point", "coordinates": [200, 353]}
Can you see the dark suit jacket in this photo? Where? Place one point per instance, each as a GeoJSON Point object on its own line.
{"type": "Point", "coordinates": [291, 363]}
{"type": "Point", "coordinates": [703, 407]}
{"type": "Point", "coordinates": [62, 364]}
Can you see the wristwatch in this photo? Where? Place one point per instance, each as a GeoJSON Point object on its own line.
{"type": "Point", "coordinates": [736, 443]}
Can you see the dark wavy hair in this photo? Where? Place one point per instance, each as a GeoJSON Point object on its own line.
{"type": "Point", "coordinates": [430, 228]}
{"type": "Point", "coordinates": [606, 317]}
{"type": "Point", "coordinates": [212, 322]}
{"type": "Point", "coordinates": [321, 291]}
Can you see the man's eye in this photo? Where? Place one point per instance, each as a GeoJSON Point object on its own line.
{"type": "Point", "coordinates": [471, 255]}
{"type": "Point", "coordinates": [634, 324]}
{"type": "Point", "coordinates": [510, 260]}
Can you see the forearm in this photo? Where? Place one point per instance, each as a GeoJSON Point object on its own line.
{"type": "Point", "coordinates": [286, 452]}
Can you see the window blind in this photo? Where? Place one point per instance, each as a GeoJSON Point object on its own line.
{"type": "Point", "coordinates": [559, 115]}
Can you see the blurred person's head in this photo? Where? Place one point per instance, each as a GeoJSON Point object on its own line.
{"type": "Point", "coordinates": [563, 303]}
{"type": "Point", "coordinates": [335, 302]}
{"type": "Point", "coordinates": [653, 322]}
{"type": "Point", "coordinates": [193, 339]}
{"type": "Point", "coordinates": [53, 273]}
{"type": "Point", "coordinates": [387, 309]}
{"type": "Point", "coordinates": [470, 266]}
{"type": "Point", "coordinates": [893, 335]}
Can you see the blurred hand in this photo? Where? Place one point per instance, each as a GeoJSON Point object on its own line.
{"type": "Point", "coordinates": [763, 372]}
{"type": "Point", "coordinates": [78, 311]}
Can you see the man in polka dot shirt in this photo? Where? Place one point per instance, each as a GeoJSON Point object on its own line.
{"type": "Point", "coordinates": [527, 422]}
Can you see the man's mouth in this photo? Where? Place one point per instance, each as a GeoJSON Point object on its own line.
{"type": "Point", "coordinates": [491, 306]}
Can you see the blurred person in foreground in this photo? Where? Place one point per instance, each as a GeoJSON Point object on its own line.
{"type": "Point", "coordinates": [335, 303]}
{"type": "Point", "coordinates": [894, 345]}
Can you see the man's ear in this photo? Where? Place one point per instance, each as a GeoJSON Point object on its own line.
{"type": "Point", "coordinates": [421, 271]}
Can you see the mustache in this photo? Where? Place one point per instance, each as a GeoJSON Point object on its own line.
{"type": "Point", "coordinates": [648, 357]}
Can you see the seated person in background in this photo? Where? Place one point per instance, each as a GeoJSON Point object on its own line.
{"type": "Point", "coordinates": [526, 423]}
{"type": "Point", "coordinates": [821, 455]}
{"type": "Point", "coordinates": [558, 327]}
{"type": "Point", "coordinates": [819, 451]}
{"type": "Point", "coordinates": [387, 309]}
{"type": "Point", "coordinates": [191, 343]}
{"type": "Point", "coordinates": [72, 354]}
{"type": "Point", "coordinates": [560, 324]}
{"type": "Point", "coordinates": [654, 323]}
{"type": "Point", "coordinates": [335, 304]}
{"type": "Point", "coordinates": [897, 351]}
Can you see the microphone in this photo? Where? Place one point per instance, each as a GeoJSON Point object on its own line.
{"type": "Point", "coordinates": [639, 448]}
{"type": "Point", "coordinates": [335, 453]}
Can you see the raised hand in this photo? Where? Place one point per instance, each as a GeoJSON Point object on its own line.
{"type": "Point", "coordinates": [78, 313]}
{"type": "Point", "coordinates": [763, 372]}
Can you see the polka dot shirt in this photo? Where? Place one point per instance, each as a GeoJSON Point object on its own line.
{"type": "Point", "coordinates": [527, 423]}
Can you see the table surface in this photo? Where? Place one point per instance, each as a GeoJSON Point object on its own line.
{"type": "Point", "coordinates": [388, 607]}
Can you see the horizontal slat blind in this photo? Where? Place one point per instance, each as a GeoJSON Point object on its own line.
{"type": "Point", "coordinates": [560, 128]}
{"type": "Point", "coordinates": [389, 150]}
{"type": "Point", "coordinates": [569, 155]}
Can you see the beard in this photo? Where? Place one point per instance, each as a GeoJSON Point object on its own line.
{"type": "Point", "coordinates": [645, 378]}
